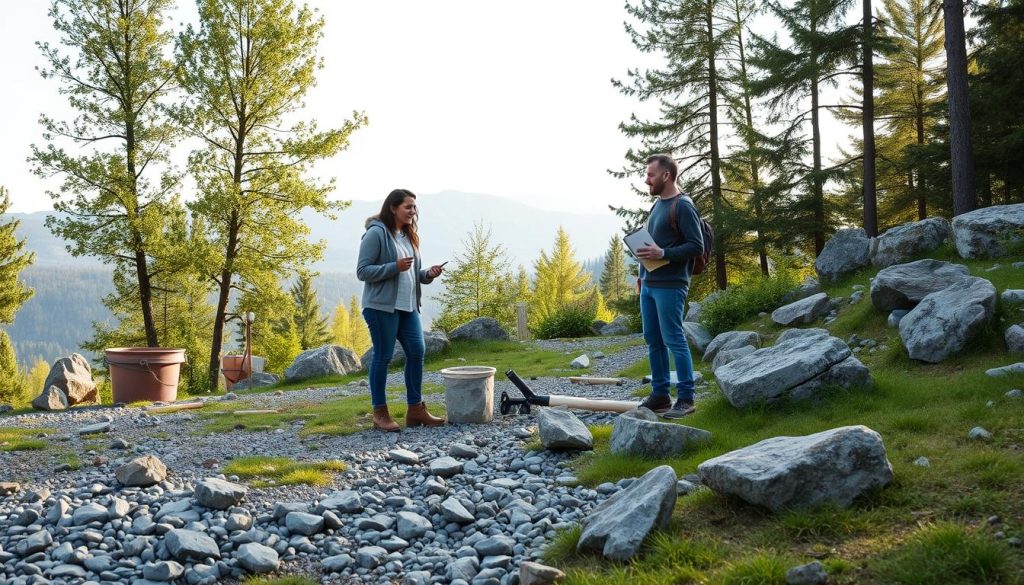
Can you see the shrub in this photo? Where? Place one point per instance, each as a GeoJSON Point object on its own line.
{"type": "Point", "coordinates": [572, 320]}
{"type": "Point", "coordinates": [725, 310]}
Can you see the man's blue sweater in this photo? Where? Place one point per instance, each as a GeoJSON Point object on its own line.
{"type": "Point", "coordinates": [681, 246]}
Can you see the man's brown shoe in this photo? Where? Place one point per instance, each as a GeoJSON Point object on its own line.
{"type": "Point", "coordinates": [418, 416]}
{"type": "Point", "coordinates": [382, 420]}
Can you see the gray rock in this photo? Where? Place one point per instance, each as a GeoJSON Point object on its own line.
{"type": "Point", "coordinates": [327, 360]}
{"type": "Point", "coordinates": [480, 329]}
{"type": "Point", "coordinates": [453, 511]}
{"type": "Point", "coordinates": [304, 523]}
{"type": "Point", "coordinates": [730, 340]}
{"type": "Point", "coordinates": [905, 285]}
{"type": "Point", "coordinates": [346, 501]}
{"type": "Point", "coordinates": [100, 427]}
{"type": "Point", "coordinates": [163, 571]}
{"type": "Point", "coordinates": [1017, 368]}
{"type": "Point", "coordinates": [945, 321]}
{"type": "Point", "coordinates": [219, 494]}
{"type": "Point", "coordinates": [462, 570]}
{"type": "Point", "coordinates": [849, 373]}
{"type": "Point", "coordinates": [731, 355]}
{"type": "Point", "coordinates": [89, 513]}
{"type": "Point", "coordinates": [618, 526]}
{"type": "Point", "coordinates": [416, 578]}
{"type": "Point", "coordinates": [337, 563]}
{"type": "Point", "coordinates": [403, 456]}
{"type": "Point", "coordinates": [580, 362]}
{"type": "Point", "coordinates": [495, 545]}
{"type": "Point", "coordinates": [73, 376]}
{"type": "Point", "coordinates": [1014, 338]}
{"type": "Point", "coordinates": [561, 429]}
{"type": "Point", "coordinates": [697, 336]}
{"type": "Point", "coordinates": [259, 380]}
{"type": "Point", "coordinates": [1015, 393]}
{"type": "Point", "coordinates": [50, 399]}
{"type": "Point", "coordinates": [1013, 296]}
{"type": "Point", "coordinates": [810, 574]}
{"type": "Point", "coordinates": [902, 243]}
{"type": "Point", "coordinates": [693, 311]}
{"type": "Point", "coordinates": [185, 545]}
{"type": "Point", "coordinates": [846, 252]}
{"type": "Point", "coordinates": [531, 573]}
{"type": "Point", "coordinates": [67, 572]}
{"type": "Point", "coordinates": [922, 462]}
{"type": "Point", "coordinates": [411, 525]}
{"type": "Point", "coordinates": [621, 325]}
{"type": "Point", "coordinates": [803, 311]}
{"type": "Point", "coordinates": [141, 472]}
{"type": "Point", "coordinates": [369, 557]}
{"type": "Point", "coordinates": [895, 317]}
{"type": "Point", "coordinates": [238, 521]}
{"type": "Point", "coordinates": [781, 473]}
{"type": "Point", "coordinates": [434, 342]}
{"type": "Point", "coordinates": [464, 451]}
{"type": "Point", "coordinates": [33, 543]}
{"type": "Point", "coordinates": [256, 558]}
{"type": "Point", "coordinates": [768, 374]}
{"type": "Point", "coordinates": [989, 232]}
{"type": "Point", "coordinates": [979, 433]}
{"type": "Point", "coordinates": [635, 434]}
{"type": "Point", "coordinates": [446, 467]}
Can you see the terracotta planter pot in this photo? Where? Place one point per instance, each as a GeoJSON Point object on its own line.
{"type": "Point", "coordinates": [144, 373]}
{"type": "Point", "coordinates": [234, 368]}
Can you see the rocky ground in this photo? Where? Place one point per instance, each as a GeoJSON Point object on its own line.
{"type": "Point", "coordinates": [425, 505]}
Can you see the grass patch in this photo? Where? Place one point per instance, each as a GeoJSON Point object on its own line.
{"type": "Point", "coordinates": [13, 439]}
{"type": "Point", "coordinates": [636, 371]}
{"type": "Point", "coordinates": [283, 471]}
{"type": "Point", "coordinates": [949, 554]}
{"type": "Point", "coordinates": [71, 460]}
{"type": "Point", "coordinates": [340, 416]}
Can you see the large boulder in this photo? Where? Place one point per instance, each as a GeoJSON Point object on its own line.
{"type": "Point", "coordinates": [433, 341]}
{"type": "Point", "coordinates": [793, 368]}
{"type": "Point", "coordinates": [640, 433]}
{"type": "Point", "coordinates": [730, 340]}
{"type": "Point", "coordinates": [696, 336]}
{"type": "Point", "coordinates": [803, 311]}
{"type": "Point", "coordinates": [902, 243]}
{"type": "Point", "coordinates": [846, 252]}
{"type": "Point", "coordinates": [945, 321]}
{"type": "Point", "coordinates": [782, 473]}
{"type": "Point", "coordinates": [559, 428]}
{"type": "Point", "coordinates": [141, 472]}
{"type": "Point", "coordinates": [327, 360]}
{"type": "Point", "coordinates": [73, 376]}
{"type": "Point", "coordinates": [731, 355]}
{"type": "Point", "coordinates": [618, 526]}
{"type": "Point", "coordinates": [693, 311]}
{"type": "Point", "coordinates": [989, 232]}
{"type": "Point", "coordinates": [1014, 337]}
{"type": "Point", "coordinates": [619, 326]}
{"type": "Point", "coordinates": [904, 285]}
{"type": "Point", "coordinates": [259, 380]}
{"type": "Point", "coordinates": [480, 329]}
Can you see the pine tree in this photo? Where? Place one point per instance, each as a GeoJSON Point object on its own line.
{"type": "Point", "coordinates": [341, 325]}
{"type": "Point", "coordinates": [694, 38]}
{"type": "Point", "coordinates": [359, 330]}
{"type": "Point", "coordinates": [13, 259]}
{"type": "Point", "coordinates": [559, 281]}
{"type": "Point", "coordinates": [869, 184]}
{"type": "Point", "coordinates": [822, 50]}
{"type": "Point", "coordinates": [961, 152]}
{"type": "Point", "coordinates": [478, 285]}
{"type": "Point", "coordinates": [312, 328]}
{"type": "Point", "coordinates": [12, 384]}
{"type": "Point", "coordinates": [246, 70]}
{"type": "Point", "coordinates": [113, 69]}
{"type": "Point", "coordinates": [614, 278]}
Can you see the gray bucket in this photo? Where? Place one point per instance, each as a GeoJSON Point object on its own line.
{"type": "Point", "coordinates": [469, 393]}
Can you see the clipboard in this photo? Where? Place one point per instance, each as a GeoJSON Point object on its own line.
{"type": "Point", "coordinates": [642, 237]}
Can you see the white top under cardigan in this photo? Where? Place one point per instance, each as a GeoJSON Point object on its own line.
{"type": "Point", "coordinates": [406, 300]}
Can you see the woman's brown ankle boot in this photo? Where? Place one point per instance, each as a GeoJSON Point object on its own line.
{"type": "Point", "coordinates": [417, 415]}
{"type": "Point", "coordinates": [382, 420]}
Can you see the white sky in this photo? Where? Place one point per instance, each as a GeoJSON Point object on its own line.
{"type": "Point", "coordinates": [503, 98]}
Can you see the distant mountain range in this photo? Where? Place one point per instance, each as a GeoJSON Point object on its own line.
{"type": "Point", "coordinates": [73, 287]}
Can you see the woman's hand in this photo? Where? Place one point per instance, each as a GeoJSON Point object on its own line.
{"type": "Point", "coordinates": [404, 263]}
{"type": "Point", "coordinates": [435, 271]}
{"type": "Point", "coordinates": [650, 252]}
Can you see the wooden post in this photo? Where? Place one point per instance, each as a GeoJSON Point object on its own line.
{"type": "Point", "coordinates": [524, 331]}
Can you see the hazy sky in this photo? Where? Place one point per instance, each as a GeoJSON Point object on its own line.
{"type": "Point", "coordinates": [504, 98]}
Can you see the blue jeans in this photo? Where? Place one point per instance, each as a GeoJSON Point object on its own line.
{"type": "Point", "coordinates": [385, 328]}
{"type": "Point", "coordinates": [661, 310]}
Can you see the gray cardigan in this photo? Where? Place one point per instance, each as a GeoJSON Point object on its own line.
{"type": "Point", "coordinates": [377, 267]}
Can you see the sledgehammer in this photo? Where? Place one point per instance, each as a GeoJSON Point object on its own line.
{"type": "Point", "coordinates": [507, 403]}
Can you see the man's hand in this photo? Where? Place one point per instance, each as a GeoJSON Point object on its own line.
{"type": "Point", "coordinates": [435, 271]}
{"type": "Point", "coordinates": [404, 263]}
{"type": "Point", "coordinates": [650, 252]}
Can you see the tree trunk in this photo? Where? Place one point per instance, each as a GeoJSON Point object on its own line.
{"type": "Point", "coordinates": [961, 153]}
{"type": "Point", "coordinates": [716, 180]}
{"type": "Point", "coordinates": [146, 297]}
{"type": "Point", "coordinates": [922, 198]}
{"type": "Point", "coordinates": [868, 123]}
{"type": "Point", "coordinates": [755, 178]}
{"type": "Point", "coordinates": [818, 197]}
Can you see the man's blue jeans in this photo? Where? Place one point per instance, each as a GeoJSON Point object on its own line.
{"type": "Point", "coordinates": [385, 328]}
{"type": "Point", "coordinates": [661, 310]}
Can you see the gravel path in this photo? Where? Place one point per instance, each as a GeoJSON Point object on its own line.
{"type": "Point", "coordinates": [456, 502]}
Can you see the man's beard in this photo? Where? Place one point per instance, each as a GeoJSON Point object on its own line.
{"type": "Point", "coordinates": [657, 189]}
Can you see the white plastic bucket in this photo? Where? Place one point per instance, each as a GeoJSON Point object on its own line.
{"type": "Point", "coordinates": [469, 393]}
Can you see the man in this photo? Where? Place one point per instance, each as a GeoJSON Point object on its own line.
{"type": "Point", "coordinates": [663, 291]}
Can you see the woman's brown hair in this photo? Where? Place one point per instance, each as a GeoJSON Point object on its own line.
{"type": "Point", "coordinates": [387, 216]}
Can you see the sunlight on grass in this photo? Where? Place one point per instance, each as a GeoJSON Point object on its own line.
{"type": "Point", "coordinates": [946, 553]}
{"type": "Point", "coordinates": [283, 471]}
{"type": "Point", "coordinates": [13, 439]}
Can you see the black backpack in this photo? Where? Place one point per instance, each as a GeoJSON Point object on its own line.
{"type": "Point", "coordinates": [700, 263]}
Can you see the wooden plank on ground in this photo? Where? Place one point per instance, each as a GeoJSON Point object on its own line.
{"type": "Point", "coordinates": [257, 411]}
{"type": "Point", "coordinates": [175, 407]}
{"type": "Point", "coordinates": [594, 381]}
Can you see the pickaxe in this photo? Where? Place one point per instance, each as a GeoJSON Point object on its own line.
{"type": "Point", "coordinates": [530, 398]}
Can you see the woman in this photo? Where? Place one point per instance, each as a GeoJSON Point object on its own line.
{"type": "Point", "coordinates": [389, 266]}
